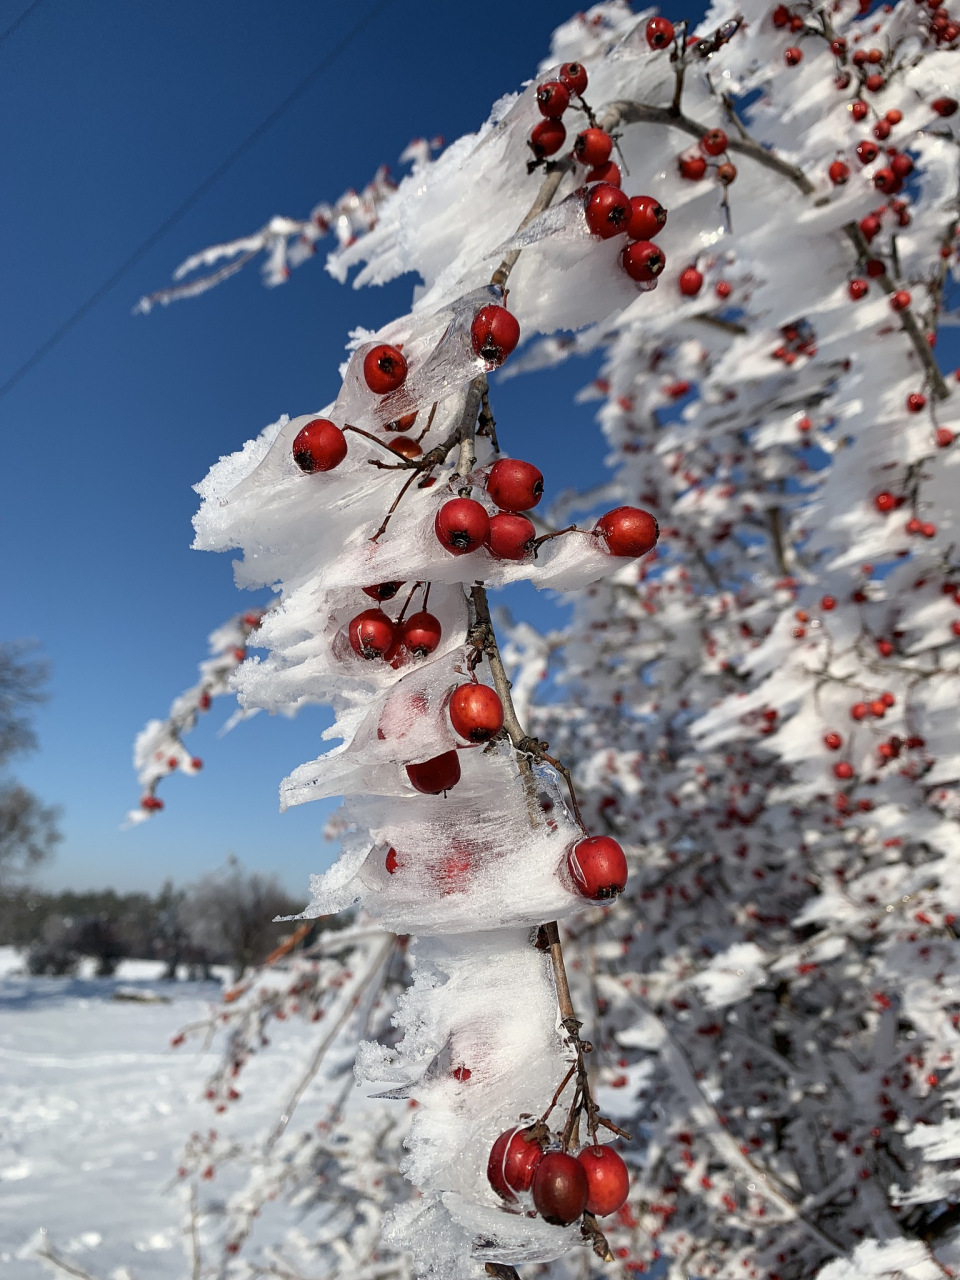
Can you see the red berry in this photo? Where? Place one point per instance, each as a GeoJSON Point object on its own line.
{"type": "Point", "coordinates": [204, 701]}
{"type": "Point", "coordinates": [643, 261]}
{"type": "Point", "coordinates": [462, 525]}
{"type": "Point", "coordinates": [916, 402]}
{"type": "Point", "coordinates": [403, 423]}
{"type": "Point", "coordinates": [876, 267]}
{"type": "Point", "coordinates": [857, 289]}
{"type": "Point", "coordinates": [628, 531]}
{"type": "Point", "coordinates": [839, 173]}
{"type": "Point", "coordinates": [607, 1179]}
{"type": "Point", "coordinates": [421, 633]}
{"type": "Point", "coordinates": [476, 712]}
{"type": "Point", "coordinates": [547, 138]}
{"type": "Point", "coordinates": [511, 537]}
{"type": "Point", "coordinates": [598, 867]}
{"type": "Point", "coordinates": [902, 165]}
{"type": "Point", "coordinates": [647, 218]}
{"type": "Point", "coordinates": [406, 447]}
{"type": "Point", "coordinates": [944, 106]}
{"type": "Point", "coordinates": [384, 369]}
{"type": "Point", "coordinates": [859, 109]}
{"type": "Point", "coordinates": [392, 862]}
{"type": "Point", "coordinates": [560, 1187]}
{"type": "Point", "coordinates": [726, 173]}
{"type": "Point", "coordinates": [371, 633]}
{"type": "Point", "coordinates": [874, 83]}
{"type": "Point", "coordinates": [781, 16]}
{"type": "Point", "coordinates": [553, 98]}
{"type": "Point", "coordinates": [867, 151]}
{"type": "Point", "coordinates": [430, 777]}
{"type": "Point", "coordinates": [609, 173]}
{"type": "Point", "coordinates": [574, 76]}
{"type": "Point", "coordinates": [944, 437]}
{"type": "Point", "coordinates": [319, 446]}
{"type": "Point", "coordinates": [607, 210]}
{"type": "Point", "coordinates": [514, 485]}
{"type": "Point", "coordinates": [881, 130]}
{"type": "Point", "coordinates": [843, 770]}
{"type": "Point", "coordinates": [859, 711]}
{"type": "Point", "coordinates": [196, 763]}
{"type": "Point", "coordinates": [828, 603]}
{"type": "Point", "coordinates": [832, 741]}
{"type": "Point", "coordinates": [792, 56]}
{"type": "Point", "coordinates": [690, 282]}
{"type": "Point", "coordinates": [893, 116]}
{"type": "Point", "coordinates": [870, 226]}
{"type": "Point", "coordinates": [513, 1161]}
{"type": "Point", "coordinates": [659, 33]}
{"type": "Point", "coordinates": [713, 143]}
{"type": "Point", "coordinates": [886, 180]}
{"type": "Point", "coordinates": [885, 502]}
{"type": "Point", "coordinates": [692, 167]}
{"type": "Point", "coordinates": [593, 146]}
{"type": "Point", "coordinates": [900, 300]}
{"type": "Point", "coordinates": [494, 333]}
{"type": "Point", "coordinates": [383, 591]}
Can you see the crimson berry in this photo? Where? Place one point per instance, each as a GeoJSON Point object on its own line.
{"type": "Point", "coordinates": [513, 1161]}
{"type": "Point", "coordinates": [319, 446]}
{"type": "Point", "coordinates": [392, 862]}
{"type": "Point", "coordinates": [886, 180]}
{"type": "Point", "coordinates": [560, 1186]}
{"type": "Point", "coordinates": [876, 267]}
{"type": "Point", "coordinates": [659, 33]}
{"type": "Point", "coordinates": [574, 76]}
{"type": "Point", "coordinates": [607, 210]}
{"type": "Point", "coordinates": [870, 226]}
{"type": "Point", "coordinates": [384, 369]}
{"type": "Point", "coordinates": [723, 288]}
{"type": "Point", "coordinates": [692, 167]}
{"type": "Point", "coordinates": [553, 98]}
{"type": "Point", "coordinates": [421, 633]}
{"type": "Point", "coordinates": [867, 151]}
{"type": "Point", "coordinates": [204, 701]}
{"type": "Point", "coordinates": [647, 218]}
{"type": "Point", "coordinates": [944, 437]}
{"type": "Point", "coordinates": [406, 446]}
{"type": "Point", "coordinates": [838, 173]}
{"type": "Point", "coordinates": [885, 502]}
{"type": "Point", "coordinates": [793, 56]}
{"type": "Point", "coordinates": [726, 173]}
{"type": "Point", "coordinates": [598, 867]}
{"type": "Point", "coordinates": [690, 282]}
{"type": "Point", "coordinates": [514, 485]}
{"type": "Point", "coordinates": [857, 289]}
{"type": "Point", "coordinates": [593, 146]}
{"type": "Point", "coordinates": [511, 537]}
{"type": "Point", "coordinates": [383, 591]}
{"type": "Point", "coordinates": [893, 116]}
{"type": "Point", "coordinates": [403, 423]}
{"type": "Point", "coordinates": [607, 1179]}
{"type": "Point", "coordinates": [843, 770]}
{"type": "Point", "coordinates": [713, 142]}
{"type": "Point", "coordinates": [832, 741]}
{"type": "Point", "coordinates": [829, 603]}
{"type": "Point", "coordinates": [628, 531]}
{"type": "Point", "coordinates": [643, 261]}
{"type": "Point", "coordinates": [430, 777]}
{"type": "Point", "coordinates": [916, 402]}
{"type": "Point", "coordinates": [371, 633]}
{"type": "Point", "coordinates": [944, 106]}
{"type": "Point", "coordinates": [859, 109]}
{"type": "Point", "coordinates": [462, 525]}
{"type": "Point", "coordinates": [196, 763]}
{"type": "Point", "coordinates": [494, 333]}
{"type": "Point", "coordinates": [608, 172]}
{"type": "Point", "coordinates": [858, 711]}
{"type": "Point", "coordinates": [881, 130]}
{"type": "Point", "coordinates": [781, 16]}
{"type": "Point", "coordinates": [547, 138]}
{"type": "Point", "coordinates": [900, 300]}
{"type": "Point", "coordinates": [875, 82]}
{"type": "Point", "coordinates": [476, 712]}
{"type": "Point", "coordinates": [902, 165]}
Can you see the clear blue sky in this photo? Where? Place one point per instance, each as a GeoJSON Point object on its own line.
{"type": "Point", "coordinates": [113, 114]}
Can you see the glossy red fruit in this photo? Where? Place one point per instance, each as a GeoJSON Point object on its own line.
{"type": "Point", "coordinates": [832, 741]}
{"type": "Point", "coordinates": [843, 770]}
{"type": "Point", "coordinates": [857, 289]}
{"type": "Point", "coordinates": [867, 151]}
{"type": "Point", "coordinates": [607, 1179]}
{"type": "Point", "coordinates": [643, 261]}
{"type": "Point", "coordinates": [902, 165]}
{"type": "Point", "coordinates": [628, 531]}
{"type": "Point", "coordinates": [430, 777]}
{"type": "Point", "coordinates": [692, 168]}
{"type": "Point", "coordinates": [886, 180]}
{"type": "Point", "coordinates": [609, 173]}
{"type": "Point", "coordinates": [476, 712]}
{"type": "Point", "coordinates": [916, 402]}
{"type": "Point", "coordinates": [881, 130]}
{"type": "Point", "coordinates": [547, 138]}
{"type": "Point", "coordinates": [944, 106]}
{"type": "Point", "coordinates": [713, 142]}
{"type": "Point", "coordinates": [690, 282]}
{"type": "Point", "coordinates": [859, 109]}
{"type": "Point", "coordinates": [319, 446]}
{"type": "Point", "coordinates": [574, 76]}
{"type": "Point", "coordinates": [403, 423]}
{"type": "Point", "coordinates": [647, 218]}
{"type": "Point", "coordinates": [900, 300]}
{"type": "Point", "coordinates": [598, 867]}
{"type": "Point", "coordinates": [607, 210]}
{"type": "Point", "coordinates": [515, 485]}
{"type": "Point", "coordinates": [560, 1188]}
{"type": "Point", "coordinates": [885, 502]}
{"type": "Point", "coordinates": [421, 633]}
{"type": "Point", "coordinates": [371, 633]}
{"type": "Point", "coordinates": [494, 333]}
{"type": "Point", "coordinates": [659, 33]}
{"type": "Point", "coordinates": [384, 369]}
{"type": "Point", "coordinates": [204, 701]}
{"type": "Point", "coordinates": [944, 437]}
{"type": "Point", "coordinates": [513, 1161]}
{"type": "Point", "coordinates": [462, 525]}
{"type": "Point", "coordinates": [406, 446]}
{"type": "Point", "coordinates": [723, 288]}
{"type": "Point", "coordinates": [793, 56]}
{"type": "Point", "coordinates": [593, 146]}
{"type": "Point", "coordinates": [870, 226]}
{"type": "Point", "coordinates": [392, 862]}
{"type": "Point", "coordinates": [876, 267]}
{"type": "Point", "coordinates": [511, 537]}
{"type": "Point", "coordinates": [781, 16]}
{"type": "Point", "coordinates": [383, 590]}
{"type": "Point", "coordinates": [839, 173]}
{"type": "Point", "coordinates": [874, 83]}
{"type": "Point", "coordinates": [726, 173]}
{"type": "Point", "coordinates": [553, 98]}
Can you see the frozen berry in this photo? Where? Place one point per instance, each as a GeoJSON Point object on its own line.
{"type": "Point", "coordinates": [319, 446]}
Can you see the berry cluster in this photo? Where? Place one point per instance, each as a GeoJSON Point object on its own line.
{"type": "Point", "coordinates": [531, 1163]}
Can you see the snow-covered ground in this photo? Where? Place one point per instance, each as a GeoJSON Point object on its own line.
{"type": "Point", "coordinates": [95, 1107]}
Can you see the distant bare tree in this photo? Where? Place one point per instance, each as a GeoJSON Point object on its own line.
{"type": "Point", "coordinates": [28, 830]}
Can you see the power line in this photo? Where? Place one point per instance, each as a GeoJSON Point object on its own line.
{"type": "Point", "coordinates": [16, 22]}
{"type": "Point", "coordinates": [198, 192]}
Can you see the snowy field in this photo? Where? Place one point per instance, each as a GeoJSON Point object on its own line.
{"type": "Point", "coordinates": [95, 1107]}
